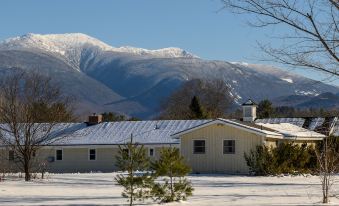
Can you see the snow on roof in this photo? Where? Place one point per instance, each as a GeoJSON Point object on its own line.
{"type": "Point", "coordinates": [296, 121]}
{"type": "Point", "coordinates": [249, 102]}
{"type": "Point", "coordinates": [158, 131]}
{"type": "Point", "coordinates": [291, 130]}
{"type": "Point", "coordinates": [145, 132]}
{"type": "Point", "coordinates": [245, 125]}
{"type": "Point", "coordinates": [324, 125]}
{"type": "Point", "coordinates": [242, 125]}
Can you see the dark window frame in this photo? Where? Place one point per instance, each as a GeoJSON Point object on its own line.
{"type": "Point", "coordinates": [59, 155]}
{"type": "Point", "coordinates": [125, 151]}
{"type": "Point", "coordinates": [201, 147]}
{"type": "Point", "coordinates": [230, 147]}
{"type": "Point", "coordinates": [92, 156]}
{"type": "Point", "coordinates": [151, 154]}
{"type": "Point", "coordinates": [11, 155]}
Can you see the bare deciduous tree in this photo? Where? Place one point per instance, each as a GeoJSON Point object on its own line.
{"type": "Point", "coordinates": [31, 106]}
{"type": "Point", "coordinates": [214, 96]}
{"type": "Point", "coordinates": [328, 159]}
{"type": "Point", "coordinates": [312, 30]}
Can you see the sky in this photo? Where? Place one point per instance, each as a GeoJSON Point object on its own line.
{"type": "Point", "coordinates": [201, 27]}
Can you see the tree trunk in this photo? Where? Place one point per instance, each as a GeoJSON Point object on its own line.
{"type": "Point", "coordinates": [131, 200]}
{"type": "Point", "coordinates": [326, 189]}
{"type": "Point", "coordinates": [171, 180]}
{"type": "Point", "coordinates": [326, 175]}
{"type": "Point", "coordinates": [27, 171]}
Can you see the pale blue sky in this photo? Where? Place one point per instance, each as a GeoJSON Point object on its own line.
{"type": "Point", "coordinates": [197, 26]}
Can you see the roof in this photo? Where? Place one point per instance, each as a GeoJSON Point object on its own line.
{"type": "Point", "coordinates": [110, 133]}
{"type": "Point", "coordinates": [253, 124]}
{"type": "Point", "coordinates": [279, 131]}
{"type": "Point", "coordinates": [296, 121]}
{"type": "Point", "coordinates": [323, 125]}
{"type": "Point", "coordinates": [293, 131]}
{"type": "Point", "coordinates": [234, 123]}
{"type": "Point", "coordinates": [158, 131]}
{"type": "Point", "coordinates": [249, 102]}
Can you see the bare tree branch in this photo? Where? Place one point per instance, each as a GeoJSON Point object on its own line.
{"type": "Point", "coordinates": [314, 20]}
{"type": "Point", "coordinates": [30, 108]}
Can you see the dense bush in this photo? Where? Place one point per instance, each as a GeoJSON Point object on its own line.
{"type": "Point", "coordinates": [260, 161]}
{"type": "Point", "coordinates": [286, 158]}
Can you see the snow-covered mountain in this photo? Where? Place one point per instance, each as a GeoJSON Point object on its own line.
{"type": "Point", "coordinates": [134, 80]}
{"type": "Point", "coordinates": [72, 46]}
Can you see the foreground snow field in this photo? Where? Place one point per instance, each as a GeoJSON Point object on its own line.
{"type": "Point", "coordinates": [99, 189]}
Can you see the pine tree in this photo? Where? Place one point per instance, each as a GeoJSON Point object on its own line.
{"type": "Point", "coordinates": [265, 109]}
{"type": "Point", "coordinates": [172, 168]}
{"type": "Point", "coordinates": [197, 109]}
{"type": "Point", "coordinates": [132, 158]}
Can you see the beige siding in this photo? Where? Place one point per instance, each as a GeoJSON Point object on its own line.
{"type": "Point", "coordinates": [301, 142]}
{"type": "Point", "coordinates": [76, 159]}
{"type": "Point", "coordinates": [5, 165]}
{"type": "Point", "coordinates": [271, 143]}
{"type": "Point", "coordinates": [214, 161]}
{"type": "Point", "coordinates": [274, 142]}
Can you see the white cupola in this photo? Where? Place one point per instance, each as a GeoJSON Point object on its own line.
{"type": "Point", "coordinates": [249, 109]}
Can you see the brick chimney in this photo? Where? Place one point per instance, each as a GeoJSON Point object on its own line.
{"type": "Point", "coordinates": [94, 119]}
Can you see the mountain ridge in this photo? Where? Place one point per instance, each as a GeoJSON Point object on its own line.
{"type": "Point", "coordinates": [134, 80]}
{"type": "Point", "coordinates": [60, 43]}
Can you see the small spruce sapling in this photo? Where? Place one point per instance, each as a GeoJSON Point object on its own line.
{"type": "Point", "coordinates": [137, 185]}
{"type": "Point", "coordinates": [172, 168]}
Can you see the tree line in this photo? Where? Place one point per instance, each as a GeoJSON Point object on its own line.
{"type": "Point", "coordinates": [198, 99]}
{"type": "Point", "coordinates": [267, 110]}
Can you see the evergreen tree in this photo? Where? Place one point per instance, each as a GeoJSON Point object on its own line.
{"type": "Point", "coordinates": [131, 158]}
{"type": "Point", "coordinates": [172, 168]}
{"type": "Point", "coordinates": [112, 117]}
{"type": "Point", "coordinates": [197, 109]}
{"type": "Point", "coordinates": [265, 109]}
{"type": "Point", "coordinates": [115, 117]}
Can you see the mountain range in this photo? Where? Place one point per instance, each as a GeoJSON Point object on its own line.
{"type": "Point", "coordinates": [134, 81]}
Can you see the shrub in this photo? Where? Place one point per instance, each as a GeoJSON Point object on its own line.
{"type": "Point", "coordinates": [260, 161]}
{"type": "Point", "coordinates": [286, 158]}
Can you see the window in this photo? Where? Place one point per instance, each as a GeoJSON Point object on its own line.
{"type": "Point", "coordinates": [199, 146]}
{"type": "Point", "coordinates": [92, 154]}
{"type": "Point", "coordinates": [248, 111]}
{"type": "Point", "coordinates": [125, 151]}
{"type": "Point", "coordinates": [11, 155]}
{"type": "Point", "coordinates": [59, 155]}
{"type": "Point", "coordinates": [151, 152]}
{"type": "Point", "coordinates": [229, 146]}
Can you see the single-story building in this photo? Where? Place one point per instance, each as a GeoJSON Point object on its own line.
{"type": "Point", "coordinates": [208, 146]}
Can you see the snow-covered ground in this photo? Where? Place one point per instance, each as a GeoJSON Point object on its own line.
{"type": "Point", "coordinates": [100, 189]}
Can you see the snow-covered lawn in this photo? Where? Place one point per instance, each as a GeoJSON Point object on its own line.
{"type": "Point", "coordinates": [99, 189]}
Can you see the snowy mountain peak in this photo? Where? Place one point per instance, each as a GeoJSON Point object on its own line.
{"type": "Point", "coordinates": [165, 52]}
{"type": "Point", "coordinates": [56, 43]}
{"type": "Point", "coordinates": [64, 44]}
